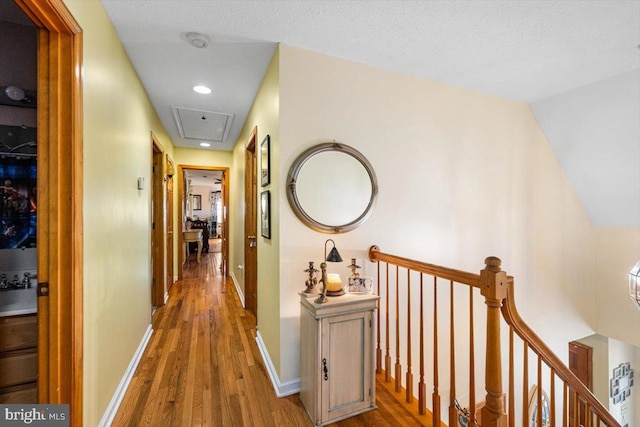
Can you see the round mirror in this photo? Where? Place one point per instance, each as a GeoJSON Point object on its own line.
{"type": "Point", "coordinates": [331, 188]}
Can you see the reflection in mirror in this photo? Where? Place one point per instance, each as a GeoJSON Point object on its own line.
{"type": "Point", "coordinates": [331, 188]}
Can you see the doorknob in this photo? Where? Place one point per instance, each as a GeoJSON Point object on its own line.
{"type": "Point", "coordinates": [251, 237]}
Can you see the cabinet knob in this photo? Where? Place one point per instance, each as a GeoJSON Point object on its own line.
{"type": "Point", "coordinates": [325, 369]}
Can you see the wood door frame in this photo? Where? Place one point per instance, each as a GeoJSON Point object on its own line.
{"type": "Point", "coordinates": [158, 247]}
{"type": "Point", "coordinates": [251, 220]}
{"type": "Point", "coordinates": [225, 212]}
{"type": "Point", "coordinates": [169, 226]}
{"type": "Point", "coordinates": [60, 204]}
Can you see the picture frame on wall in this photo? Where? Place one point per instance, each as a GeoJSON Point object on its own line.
{"type": "Point", "coordinates": [197, 202]}
{"type": "Point", "coordinates": [265, 161]}
{"type": "Point", "coordinates": [265, 214]}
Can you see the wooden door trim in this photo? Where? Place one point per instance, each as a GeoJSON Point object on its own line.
{"type": "Point", "coordinates": [225, 204]}
{"type": "Point", "coordinates": [60, 228]}
{"type": "Point", "coordinates": [169, 225]}
{"type": "Point", "coordinates": [158, 253]}
{"type": "Point", "coordinates": [251, 146]}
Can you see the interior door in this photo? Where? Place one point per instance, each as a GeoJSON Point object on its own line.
{"type": "Point", "coordinates": [157, 228]}
{"type": "Point", "coordinates": [170, 173]}
{"type": "Point", "coordinates": [251, 227]}
{"type": "Point", "coordinates": [581, 364]}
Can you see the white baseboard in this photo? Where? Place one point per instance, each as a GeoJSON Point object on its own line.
{"type": "Point", "coordinates": [116, 400]}
{"type": "Point", "coordinates": [281, 389]}
{"type": "Point", "coordinates": [175, 279]}
{"type": "Point", "coordinates": [240, 293]}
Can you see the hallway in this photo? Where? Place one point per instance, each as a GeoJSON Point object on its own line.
{"type": "Point", "coordinates": [202, 366]}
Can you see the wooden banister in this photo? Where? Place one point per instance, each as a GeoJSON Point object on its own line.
{"type": "Point", "coordinates": [499, 408]}
{"type": "Point", "coordinates": [512, 317]}
{"type": "Point", "coordinates": [494, 285]}
{"type": "Point", "coordinates": [434, 270]}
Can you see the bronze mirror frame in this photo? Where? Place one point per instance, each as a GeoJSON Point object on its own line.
{"type": "Point", "coordinates": [292, 181]}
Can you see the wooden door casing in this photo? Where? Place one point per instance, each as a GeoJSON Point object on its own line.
{"type": "Point", "coordinates": [157, 225]}
{"type": "Point", "coordinates": [60, 204]}
{"type": "Point", "coordinates": [169, 228]}
{"type": "Point", "coordinates": [182, 215]}
{"type": "Point", "coordinates": [251, 226]}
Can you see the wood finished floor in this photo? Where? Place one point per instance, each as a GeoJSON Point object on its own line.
{"type": "Point", "coordinates": [202, 366]}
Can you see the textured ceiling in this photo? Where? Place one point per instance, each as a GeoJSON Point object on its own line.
{"type": "Point", "coordinates": [522, 50]}
{"type": "Point", "coordinates": [203, 177]}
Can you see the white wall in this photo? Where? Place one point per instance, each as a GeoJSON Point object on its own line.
{"type": "Point", "coordinates": [627, 412]}
{"type": "Point", "coordinates": [204, 192]}
{"type": "Point", "coordinates": [618, 250]}
{"type": "Point", "coordinates": [462, 175]}
{"type": "Point", "coordinates": [594, 131]}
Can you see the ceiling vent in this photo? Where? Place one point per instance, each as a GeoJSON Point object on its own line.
{"type": "Point", "coordinates": [202, 125]}
{"type": "Point", "coordinates": [197, 40]}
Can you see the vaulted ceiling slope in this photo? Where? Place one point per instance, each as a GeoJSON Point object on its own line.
{"type": "Point", "coordinates": [530, 51]}
{"type": "Point", "coordinates": [595, 133]}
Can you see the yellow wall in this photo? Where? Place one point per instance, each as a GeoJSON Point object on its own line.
{"type": "Point", "coordinates": [195, 157]}
{"type": "Point", "coordinates": [118, 121]}
{"type": "Point", "coordinates": [265, 115]}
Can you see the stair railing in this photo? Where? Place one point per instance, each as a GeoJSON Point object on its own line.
{"type": "Point", "coordinates": [570, 402]}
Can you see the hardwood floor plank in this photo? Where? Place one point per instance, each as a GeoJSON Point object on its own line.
{"type": "Point", "coordinates": [203, 366]}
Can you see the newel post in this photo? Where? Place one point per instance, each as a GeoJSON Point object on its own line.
{"type": "Point", "coordinates": [494, 285]}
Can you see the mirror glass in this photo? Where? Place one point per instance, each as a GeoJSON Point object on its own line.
{"type": "Point", "coordinates": [331, 188]}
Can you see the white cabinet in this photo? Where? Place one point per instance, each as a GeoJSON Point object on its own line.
{"type": "Point", "coordinates": [337, 373]}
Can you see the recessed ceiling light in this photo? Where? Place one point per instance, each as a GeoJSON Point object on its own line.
{"type": "Point", "coordinates": [202, 89]}
{"type": "Point", "coordinates": [205, 144]}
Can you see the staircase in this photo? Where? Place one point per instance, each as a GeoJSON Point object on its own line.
{"type": "Point", "coordinates": [478, 363]}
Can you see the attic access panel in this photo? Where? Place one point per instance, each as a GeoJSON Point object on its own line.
{"type": "Point", "coordinates": [202, 125]}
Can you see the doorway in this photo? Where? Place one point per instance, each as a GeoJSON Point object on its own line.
{"type": "Point", "coordinates": [251, 225]}
{"type": "Point", "coordinates": [18, 207]}
{"type": "Point", "coordinates": [60, 204]}
{"type": "Point", "coordinates": [203, 196]}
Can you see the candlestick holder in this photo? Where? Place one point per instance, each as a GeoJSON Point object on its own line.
{"type": "Point", "coordinates": [312, 281]}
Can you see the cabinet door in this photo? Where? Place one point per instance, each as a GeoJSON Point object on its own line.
{"type": "Point", "coordinates": [346, 352]}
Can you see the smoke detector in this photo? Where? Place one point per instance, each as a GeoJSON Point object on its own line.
{"type": "Point", "coordinates": [198, 40]}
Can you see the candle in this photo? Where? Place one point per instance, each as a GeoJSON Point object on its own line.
{"type": "Point", "coordinates": [334, 283]}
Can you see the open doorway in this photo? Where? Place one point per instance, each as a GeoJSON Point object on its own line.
{"type": "Point", "coordinates": [59, 204]}
{"type": "Point", "coordinates": [204, 199]}
{"type": "Point", "coordinates": [18, 206]}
